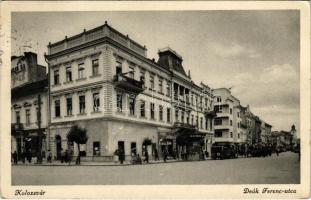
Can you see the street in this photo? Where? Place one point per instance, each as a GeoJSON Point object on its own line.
{"type": "Point", "coordinates": [269, 170]}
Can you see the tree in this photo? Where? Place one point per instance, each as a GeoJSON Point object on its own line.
{"type": "Point", "coordinates": [77, 135]}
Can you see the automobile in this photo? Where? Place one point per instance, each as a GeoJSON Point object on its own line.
{"type": "Point", "coordinates": [223, 151]}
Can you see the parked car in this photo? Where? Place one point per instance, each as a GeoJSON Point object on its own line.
{"type": "Point", "coordinates": [223, 150]}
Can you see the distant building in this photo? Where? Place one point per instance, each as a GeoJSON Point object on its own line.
{"type": "Point", "coordinates": [102, 80]}
{"type": "Point", "coordinates": [28, 116]}
{"type": "Point", "coordinates": [227, 123]}
{"type": "Point", "coordinates": [282, 139]}
{"type": "Point", "coordinates": [265, 132]}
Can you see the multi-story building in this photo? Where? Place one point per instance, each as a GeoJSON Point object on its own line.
{"type": "Point", "coordinates": [228, 120]}
{"type": "Point", "coordinates": [28, 116]}
{"type": "Point", "coordinates": [265, 132]}
{"type": "Point", "coordinates": [103, 81]}
{"type": "Point", "coordinates": [282, 139]}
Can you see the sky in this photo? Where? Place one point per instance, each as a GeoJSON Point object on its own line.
{"type": "Point", "coordinates": [256, 53]}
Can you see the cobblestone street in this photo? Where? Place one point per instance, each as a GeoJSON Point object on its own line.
{"type": "Point", "coordinates": [279, 170]}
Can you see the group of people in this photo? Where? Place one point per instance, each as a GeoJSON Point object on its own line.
{"type": "Point", "coordinates": [28, 156]}
{"type": "Point", "coordinates": [66, 156]}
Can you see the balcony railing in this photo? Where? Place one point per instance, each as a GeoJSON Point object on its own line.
{"type": "Point", "coordinates": [126, 83]}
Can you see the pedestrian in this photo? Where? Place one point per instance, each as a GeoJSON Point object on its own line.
{"type": "Point", "coordinates": [63, 154]}
{"type": "Point", "coordinates": [15, 157]}
{"type": "Point", "coordinates": [49, 157]}
{"type": "Point", "coordinates": [146, 156]}
{"type": "Point", "coordinates": [277, 151]}
{"type": "Point", "coordinates": [69, 158]}
{"type": "Point", "coordinates": [23, 157]}
{"type": "Point", "coordinates": [121, 156]}
{"type": "Point", "coordinates": [138, 159]}
{"type": "Point", "coordinates": [78, 161]}
{"type": "Point", "coordinates": [165, 155]}
{"type": "Point", "coordinates": [29, 156]}
{"type": "Point", "coordinates": [156, 155]}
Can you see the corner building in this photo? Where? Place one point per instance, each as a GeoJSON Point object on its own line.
{"type": "Point", "coordinates": [102, 80]}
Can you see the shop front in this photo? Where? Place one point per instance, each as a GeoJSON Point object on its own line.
{"type": "Point", "coordinates": [190, 142]}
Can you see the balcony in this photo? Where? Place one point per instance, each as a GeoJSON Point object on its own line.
{"type": "Point", "coordinates": [128, 84]}
{"type": "Point", "coordinates": [222, 127]}
{"type": "Point", "coordinates": [184, 125]}
{"type": "Point", "coordinates": [209, 113]}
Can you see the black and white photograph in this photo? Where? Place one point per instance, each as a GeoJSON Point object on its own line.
{"type": "Point", "coordinates": [151, 97]}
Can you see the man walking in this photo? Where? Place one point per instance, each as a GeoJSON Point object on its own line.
{"type": "Point", "coordinates": [15, 157]}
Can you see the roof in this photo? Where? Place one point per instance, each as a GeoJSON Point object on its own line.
{"type": "Point", "coordinates": [29, 89]}
{"type": "Point", "coordinates": [170, 50]}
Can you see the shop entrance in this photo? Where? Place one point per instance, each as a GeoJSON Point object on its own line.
{"type": "Point", "coordinates": [58, 140]}
{"type": "Point", "coordinates": [191, 146]}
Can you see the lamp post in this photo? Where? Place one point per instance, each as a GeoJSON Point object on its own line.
{"type": "Point", "coordinates": [39, 156]}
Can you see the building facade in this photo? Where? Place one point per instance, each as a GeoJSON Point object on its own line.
{"type": "Point", "coordinates": [103, 81]}
{"type": "Point", "coordinates": [28, 116]}
{"type": "Point", "coordinates": [228, 121]}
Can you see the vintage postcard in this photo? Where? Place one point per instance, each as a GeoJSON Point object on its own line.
{"type": "Point", "coordinates": [155, 99]}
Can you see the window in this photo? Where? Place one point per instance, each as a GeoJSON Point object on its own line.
{"type": "Point", "coordinates": [192, 102]}
{"type": "Point", "coordinates": [96, 102]}
{"type": "Point", "coordinates": [160, 85]}
{"type": "Point", "coordinates": [192, 119]}
{"type": "Point", "coordinates": [218, 133]}
{"type": "Point", "coordinates": [218, 108]}
{"type": "Point", "coordinates": [201, 122]}
{"type": "Point", "coordinates": [168, 113]}
{"type": "Point", "coordinates": [182, 116]}
{"type": "Point", "coordinates": [96, 148]}
{"type": "Point", "coordinates": [142, 76]}
{"type": "Point", "coordinates": [82, 104]}
{"type": "Point", "coordinates": [176, 115]}
{"type": "Point", "coordinates": [18, 117]}
{"type": "Point", "coordinates": [187, 118]}
{"type": "Point", "coordinates": [161, 113]}
{"type": "Point", "coordinates": [197, 121]}
{"type": "Point", "coordinates": [201, 102]}
{"type": "Point", "coordinates": [131, 71]}
{"type": "Point", "coordinates": [231, 111]}
{"type": "Point", "coordinates": [132, 105]}
{"type": "Point", "coordinates": [239, 135]}
{"type": "Point", "coordinates": [118, 67]}
{"type": "Point", "coordinates": [206, 102]}
{"type": "Point", "coordinates": [68, 74]}
{"type": "Point", "coordinates": [57, 108]}
{"type": "Point", "coordinates": [206, 123]}
{"type": "Point", "coordinates": [218, 99]}
{"type": "Point", "coordinates": [168, 89]}
{"type": "Point", "coordinates": [56, 77]}
{"type": "Point", "coordinates": [152, 110]}
{"type": "Point", "coordinates": [119, 102]}
{"type": "Point", "coordinates": [133, 148]}
{"type": "Point", "coordinates": [238, 124]}
{"type": "Point", "coordinates": [231, 134]}
{"type": "Point", "coordinates": [211, 124]}
{"type": "Point", "coordinates": [95, 67]}
{"type": "Point", "coordinates": [69, 106]}
{"type": "Point", "coordinates": [81, 70]}
{"type": "Point", "coordinates": [218, 122]}
{"type": "Point", "coordinates": [152, 82]}
{"type": "Point", "coordinates": [238, 113]}
{"type": "Point", "coordinates": [230, 122]}
{"type": "Point", "coordinates": [27, 116]}
{"type": "Point", "coordinates": [142, 108]}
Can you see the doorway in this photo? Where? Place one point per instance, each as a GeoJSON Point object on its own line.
{"type": "Point", "coordinates": [58, 140]}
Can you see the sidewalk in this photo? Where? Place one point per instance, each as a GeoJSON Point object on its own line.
{"type": "Point", "coordinates": [92, 163]}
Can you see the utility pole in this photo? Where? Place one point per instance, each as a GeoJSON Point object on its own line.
{"type": "Point", "coordinates": [39, 155]}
